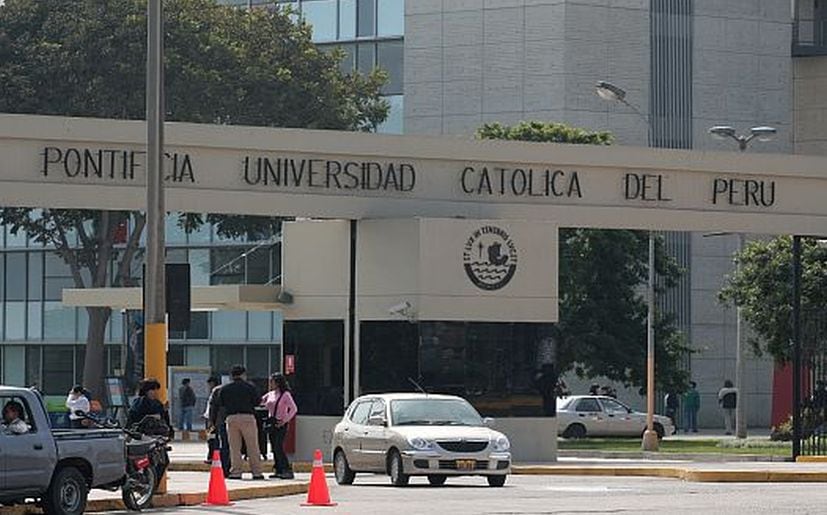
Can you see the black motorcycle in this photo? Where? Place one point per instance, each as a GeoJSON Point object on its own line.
{"type": "Point", "coordinates": [147, 459]}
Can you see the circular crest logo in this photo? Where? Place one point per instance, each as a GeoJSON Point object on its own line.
{"type": "Point", "coordinates": [490, 258]}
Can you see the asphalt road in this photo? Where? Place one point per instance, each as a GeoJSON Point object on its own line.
{"type": "Point", "coordinates": [549, 495]}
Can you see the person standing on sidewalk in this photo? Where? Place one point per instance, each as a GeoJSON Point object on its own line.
{"type": "Point", "coordinates": [691, 405]}
{"type": "Point", "coordinates": [281, 408]}
{"type": "Point", "coordinates": [728, 399]}
{"type": "Point", "coordinates": [75, 402]}
{"type": "Point", "coordinates": [186, 396]}
{"type": "Point", "coordinates": [216, 427]}
{"type": "Point", "coordinates": [239, 399]}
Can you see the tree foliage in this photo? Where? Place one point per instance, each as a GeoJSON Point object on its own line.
{"type": "Point", "coordinates": [762, 286]}
{"type": "Point", "coordinates": [223, 65]}
{"type": "Point", "coordinates": [603, 312]}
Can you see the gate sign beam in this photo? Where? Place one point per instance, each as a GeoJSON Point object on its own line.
{"type": "Point", "coordinates": [100, 164]}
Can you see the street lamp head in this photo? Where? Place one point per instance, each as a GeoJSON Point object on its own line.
{"type": "Point", "coordinates": [763, 133]}
{"type": "Point", "coordinates": [722, 131]}
{"type": "Point", "coordinates": [610, 92]}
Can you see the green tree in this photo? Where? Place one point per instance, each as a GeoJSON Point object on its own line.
{"type": "Point", "coordinates": [762, 286]}
{"type": "Point", "coordinates": [223, 65]}
{"type": "Point", "coordinates": [602, 325]}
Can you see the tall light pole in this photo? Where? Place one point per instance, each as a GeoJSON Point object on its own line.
{"type": "Point", "coordinates": [611, 92]}
{"type": "Point", "coordinates": [762, 133]}
{"type": "Point", "coordinates": [155, 331]}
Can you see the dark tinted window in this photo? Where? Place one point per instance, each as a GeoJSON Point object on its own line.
{"type": "Point", "coordinates": [588, 405]}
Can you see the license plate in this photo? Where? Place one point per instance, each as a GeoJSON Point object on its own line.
{"type": "Point", "coordinates": [466, 464]}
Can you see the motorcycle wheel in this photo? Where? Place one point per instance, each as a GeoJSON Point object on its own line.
{"type": "Point", "coordinates": [139, 488]}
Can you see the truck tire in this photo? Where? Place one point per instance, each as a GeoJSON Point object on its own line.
{"type": "Point", "coordinates": [67, 493]}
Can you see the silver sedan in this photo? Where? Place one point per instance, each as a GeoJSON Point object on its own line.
{"type": "Point", "coordinates": [579, 416]}
{"type": "Point", "coordinates": [404, 435]}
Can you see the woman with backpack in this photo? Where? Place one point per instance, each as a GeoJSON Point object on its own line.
{"type": "Point", "coordinates": [281, 408]}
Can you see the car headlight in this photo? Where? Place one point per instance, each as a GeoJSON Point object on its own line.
{"type": "Point", "coordinates": [501, 444]}
{"type": "Point", "coordinates": [420, 444]}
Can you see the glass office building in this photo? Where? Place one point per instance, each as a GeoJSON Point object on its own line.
{"type": "Point", "coordinates": [371, 33]}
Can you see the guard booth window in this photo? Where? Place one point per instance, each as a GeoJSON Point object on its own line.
{"type": "Point", "coordinates": [319, 376]}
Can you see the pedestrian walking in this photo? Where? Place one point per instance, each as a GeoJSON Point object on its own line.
{"type": "Point", "coordinates": [728, 399]}
{"type": "Point", "coordinates": [187, 400]}
{"type": "Point", "coordinates": [672, 403]}
{"type": "Point", "coordinates": [239, 400]}
{"type": "Point", "coordinates": [77, 401]}
{"type": "Point", "coordinates": [691, 405]}
{"type": "Point", "coordinates": [281, 409]}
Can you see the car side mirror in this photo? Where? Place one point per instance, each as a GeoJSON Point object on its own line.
{"type": "Point", "coordinates": [377, 420]}
{"type": "Point", "coordinates": [488, 421]}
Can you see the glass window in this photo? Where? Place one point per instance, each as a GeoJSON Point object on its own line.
{"type": "Point", "coordinates": [116, 327]}
{"type": "Point", "coordinates": [35, 275]}
{"type": "Point", "coordinates": [200, 235]}
{"type": "Point", "coordinates": [366, 57]}
{"type": "Point", "coordinates": [16, 276]}
{"type": "Point", "coordinates": [389, 356]}
{"type": "Point", "coordinates": [83, 323]}
{"type": "Point", "coordinates": [590, 405]}
{"type": "Point", "coordinates": [278, 326]}
{"type": "Point", "coordinates": [15, 320]}
{"type": "Point", "coordinates": [258, 265]}
{"type": "Point", "coordinates": [199, 267]}
{"type": "Point", "coordinates": [321, 15]}
{"type": "Point", "coordinates": [56, 266]}
{"type": "Point", "coordinates": [225, 356]}
{"type": "Point", "coordinates": [229, 326]}
{"type": "Point", "coordinates": [174, 232]}
{"type": "Point", "coordinates": [347, 19]}
{"type": "Point", "coordinates": [176, 256]}
{"type": "Point", "coordinates": [56, 285]}
{"type": "Point", "coordinates": [258, 366]}
{"type": "Point", "coordinates": [35, 321]}
{"type": "Point", "coordinates": [199, 326]}
{"type": "Point", "coordinates": [420, 412]}
{"type": "Point", "coordinates": [394, 123]}
{"type": "Point", "coordinates": [33, 370]}
{"type": "Point", "coordinates": [319, 378]}
{"type": "Point", "coordinates": [260, 325]}
{"type": "Point", "coordinates": [58, 321]}
{"type": "Point", "coordinates": [390, 17]}
{"type": "Point", "coordinates": [176, 356]}
{"type": "Point", "coordinates": [359, 415]}
{"type": "Point", "coordinates": [348, 62]}
{"type": "Point", "coordinates": [391, 59]}
{"type": "Point", "coordinates": [366, 18]}
{"type": "Point", "coordinates": [226, 266]}
{"type": "Point", "coordinates": [2, 281]}
{"type": "Point", "coordinates": [58, 369]}
{"type": "Point", "coordinates": [377, 409]}
{"type": "Point", "coordinates": [113, 359]}
{"type": "Point", "coordinates": [18, 239]}
{"type": "Point", "coordinates": [612, 406]}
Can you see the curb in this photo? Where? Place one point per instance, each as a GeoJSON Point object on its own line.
{"type": "Point", "coordinates": [677, 456]}
{"type": "Point", "coordinates": [197, 466]}
{"type": "Point", "coordinates": [811, 459]}
{"type": "Point", "coordinates": [171, 500]}
{"type": "Point", "coordinates": [685, 474]}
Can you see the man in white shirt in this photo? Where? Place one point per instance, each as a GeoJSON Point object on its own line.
{"type": "Point", "coordinates": [77, 401]}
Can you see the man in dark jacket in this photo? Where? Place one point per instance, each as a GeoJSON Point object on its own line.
{"type": "Point", "coordinates": [186, 396]}
{"type": "Point", "coordinates": [238, 400]}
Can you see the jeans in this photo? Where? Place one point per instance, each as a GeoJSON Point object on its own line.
{"type": "Point", "coordinates": [185, 423]}
{"type": "Point", "coordinates": [281, 463]}
{"type": "Point", "coordinates": [222, 445]}
{"type": "Point", "coordinates": [690, 420]}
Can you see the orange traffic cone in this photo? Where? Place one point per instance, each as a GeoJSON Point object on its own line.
{"type": "Point", "coordinates": [217, 495]}
{"type": "Point", "coordinates": [318, 494]}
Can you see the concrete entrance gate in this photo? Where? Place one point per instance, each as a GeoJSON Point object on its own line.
{"type": "Point", "coordinates": [374, 179]}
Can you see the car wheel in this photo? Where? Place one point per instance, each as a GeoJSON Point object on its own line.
{"type": "Point", "coordinates": [437, 480]}
{"type": "Point", "coordinates": [344, 475]}
{"type": "Point", "coordinates": [496, 481]}
{"type": "Point", "coordinates": [575, 431]}
{"type": "Point", "coordinates": [67, 494]}
{"type": "Point", "coordinates": [395, 469]}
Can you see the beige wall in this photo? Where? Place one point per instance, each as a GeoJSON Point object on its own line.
{"type": "Point", "coordinates": [810, 105]}
{"type": "Point", "coordinates": [420, 261]}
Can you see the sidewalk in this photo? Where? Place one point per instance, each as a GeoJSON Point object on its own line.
{"type": "Point", "coordinates": [189, 489]}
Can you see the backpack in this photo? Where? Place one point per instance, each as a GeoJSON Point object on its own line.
{"type": "Point", "coordinates": [728, 401]}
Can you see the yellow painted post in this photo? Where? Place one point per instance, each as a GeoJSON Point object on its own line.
{"type": "Point", "coordinates": [155, 365]}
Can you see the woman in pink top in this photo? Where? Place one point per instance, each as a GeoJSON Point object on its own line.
{"type": "Point", "coordinates": [281, 408]}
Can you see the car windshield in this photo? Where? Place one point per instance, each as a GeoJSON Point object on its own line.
{"type": "Point", "coordinates": [434, 412]}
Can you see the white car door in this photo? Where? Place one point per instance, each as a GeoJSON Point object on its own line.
{"type": "Point", "coordinates": [619, 419]}
{"type": "Point", "coordinates": [590, 414]}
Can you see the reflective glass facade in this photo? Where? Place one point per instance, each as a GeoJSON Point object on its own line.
{"type": "Point", "coordinates": [42, 341]}
{"type": "Point", "coordinates": [370, 32]}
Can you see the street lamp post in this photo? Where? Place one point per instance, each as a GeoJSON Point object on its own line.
{"type": "Point", "coordinates": [762, 133]}
{"type": "Point", "coordinates": [611, 92]}
{"type": "Point", "coordinates": [155, 331]}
